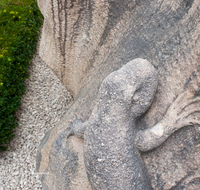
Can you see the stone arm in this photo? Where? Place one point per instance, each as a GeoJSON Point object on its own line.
{"type": "Point", "coordinates": [175, 118]}
{"type": "Point", "coordinates": [78, 128]}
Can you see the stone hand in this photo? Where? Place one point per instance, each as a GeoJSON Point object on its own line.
{"type": "Point", "coordinates": [176, 117]}
{"type": "Point", "coordinates": [78, 128]}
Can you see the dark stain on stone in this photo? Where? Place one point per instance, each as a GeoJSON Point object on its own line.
{"type": "Point", "coordinates": [188, 3]}
{"type": "Point", "coordinates": [159, 183]}
{"type": "Point", "coordinates": [90, 10]}
{"type": "Point", "coordinates": [84, 19]}
{"type": "Point", "coordinates": [64, 40]}
{"type": "Point", "coordinates": [72, 4]}
{"type": "Point", "coordinates": [92, 60]}
{"type": "Point", "coordinates": [142, 40]}
{"type": "Point", "coordinates": [183, 9]}
{"type": "Point", "coordinates": [76, 26]}
{"type": "Point", "coordinates": [197, 92]}
{"type": "Point", "coordinates": [179, 185]}
{"type": "Point", "coordinates": [153, 28]}
{"type": "Point", "coordinates": [63, 160]}
{"type": "Point", "coordinates": [195, 181]}
{"type": "Point", "coordinates": [39, 155]}
{"type": "Point", "coordinates": [62, 32]}
{"type": "Point", "coordinates": [116, 10]}
{"type": "Point", "coordinates": [53, 17]}
{"type": "Point", "coordinates": [192, 77]}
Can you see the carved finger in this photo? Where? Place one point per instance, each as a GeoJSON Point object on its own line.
{"type": "Point", "coordinates": [190, 122]}
{"type": "Point", "coordinates": [181, 97]}
{"type": "Point", "coordinates": [70, 133]}
{"type": "Point", "coordinates": [188, 112]}
{"type": "Point", "coordinates": [188, 102]}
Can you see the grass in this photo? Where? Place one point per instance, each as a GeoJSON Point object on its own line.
{"type": "Point", "coordinates": [20, 21]}
{"type": "Point", "coordinates": [16, 2]}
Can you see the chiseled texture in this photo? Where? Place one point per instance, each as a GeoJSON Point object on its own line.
{"type": "Point", "coordinates": [84, 41]}
{"type": "Point", "coordinates": [111, 159]}
{"type": "Point", "coordinates": [110, 140]}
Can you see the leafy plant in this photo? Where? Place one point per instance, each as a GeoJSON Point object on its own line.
{"type": "Point", "coordinates": [19, 25]}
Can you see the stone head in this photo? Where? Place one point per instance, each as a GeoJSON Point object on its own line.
{"type": "Point", "coordinates": [130, 89]}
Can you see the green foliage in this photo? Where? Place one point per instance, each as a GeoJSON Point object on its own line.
{"type": "Point", "coordinates": [16, 2]}
{"type": "Point", "coordinates": [19, 25]}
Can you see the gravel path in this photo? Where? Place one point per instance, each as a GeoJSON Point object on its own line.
{"type": "Point", "coordinates": [43, 105]}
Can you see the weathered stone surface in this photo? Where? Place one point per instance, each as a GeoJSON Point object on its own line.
{"type": "Point", "coordinates": [65, 165]}
{"type": "Point", "coordinates": [84, 41]}
{"type": "Point", "coordinates": [111, 158]}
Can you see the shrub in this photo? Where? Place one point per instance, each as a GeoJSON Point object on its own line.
{"type": "Point", "coordinates": [19, 25]}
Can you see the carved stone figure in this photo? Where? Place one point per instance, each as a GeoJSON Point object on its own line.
{"type": "Point", "coordinates": [110, 139]}
{"type": "Point", "coordinates": [83, 42]}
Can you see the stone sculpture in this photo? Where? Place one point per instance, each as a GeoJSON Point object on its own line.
{"type": "Point", "coordinates": [83, 42]}
{"type": "Point", "coordinates": [110, 139]}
